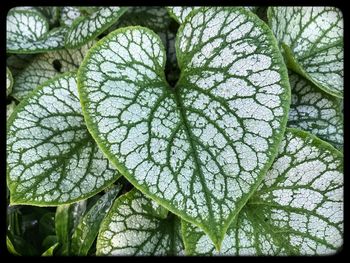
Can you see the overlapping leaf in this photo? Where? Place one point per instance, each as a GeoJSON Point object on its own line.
{"type": "Point", "coordinates": [88, 227]}
{"type": "Point", "coordinates": [9, 109]}
{"type": "Point", "coordinates": [313, 41]}
{"type": "Point", "coordinates": [52, 13]}
{"type": "Point", "coordinates": [201, 148]}
{"type": "Point", "coordinates": [87, 28]}
{"type": "Point", "coordinates": [155, 18]}
{"type": "Point", "coordinates": [42, 67]}
{"type": "Point", "coordinates": [9, 82]}
{"type": "Point", "coordinates": [28, 32]}
{"type": "Point", "coordinates": [315, 111]}
{"type": "Point", "coordinates": [297, 210]}
{"type": "Point", "coordinates": [69, 14]}
{"type": "Point", "coordinates": [66, 219]}
{"type": "Point", "coordinates": [51, 156]}
{"type": "Point", "coordinates": [179, 13]}
{"type": "Point", "coordinates": [134, 226]}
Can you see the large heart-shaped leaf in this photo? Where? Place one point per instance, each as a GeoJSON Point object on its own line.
{"type": "Point", "coordinates": [136, 225]}
{"type": "Point", "coordinates": [313, 41]}
{"type": "Point", "coordinates": [51, 156]}
{"type": "Point", "coordinates": [86, 28]}
{"type": "Point", "coordinates": [89, 225]}
{"type": "Point", "coordinates": [42, 67]}
{"type": "Point", "coordinates": [315, 111]}
{"type": "Point", "coordinates": [201, 148]}
{"type": "Point", "coordinates": [297, 210]}
{"type": "Point", "coordinates": [28, 32]}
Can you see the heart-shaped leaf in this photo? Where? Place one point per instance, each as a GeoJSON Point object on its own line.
{"type": "Point", "coordinates": [86, 28]}
{"type": "Point", "coordinates": [43, 67]}
{"type": "Point", "coordinates": [315, 111]}
{"type": "Point", "coordinates": [134, 227]}
{"type": "Point", "coordinates": [28, 32]}
{"type": "Point", "coordinates": [199, 149]}
{"type": "Point", "coordinates": [297, 210]}
{"type": "Point", "coordinates": [312, 38]}
{"type": "Point", "coordinates": [51, 156]}
{"type": "Point", "coordinates": [9, 82]}
{"type": "Point", "coordinates": [88, 227]}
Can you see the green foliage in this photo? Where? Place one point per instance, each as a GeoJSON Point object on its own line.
{"type": "Point", "coordinates": [174, 130]}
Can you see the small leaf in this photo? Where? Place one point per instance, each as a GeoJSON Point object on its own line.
{"type": "Point", "coordinates": [49, 240]}
{"type": "Point", "coordinates": [88, 227]}
{"type": "Point", "coordinates": [10, 247]}
{"type": "Point", "coordinates": [69, 14]}
{"type": "Point", "coordinates": [9, 82]}
{"type": "Point", "coordinates": [315, 111]}
{"type": "Point", "coordinates": [52, 13]}
{"type": "Point", "coordinates": [50, 251]}
{"type": "Point", "coordinates": [87, 28]}
{"type": "Point", "coordinates": [43, 67]}
{"type": "Point", "coordinates": [312, 38]}
{"type": "Point", "coordinates": [66, 219]}
{"type": "Point", "coordinates": [51, 156]}
{"type": "Point", "coordinates": [10, 109]}
{"type": "Point", "coordinates": [130, 228]}
{"type": "Point", "coordinates": [297, 210]}
{"type": "Point", "coordinates": [199, 149]}
{"type": "Point", "coordinates": [28, 32]}
{"type": "Point", "coordinates": [179, 13]}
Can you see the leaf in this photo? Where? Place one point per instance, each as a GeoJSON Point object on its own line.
{"type": "Point", "coordinates": [179, 13]}
{"type": "Point", "coordinates": [66, 219]}
{"type": "Point", "coordinates": [315, 111]}
{"type": "Point", "coordinates": [21, 246]}
{"type": "Point", "coordinates": [10, 109]}
{"type": "Point", "coordinates": [10, 247]}
{"type": "Point", "coordinates": [88, 227]}
{"type": "Point", "coordinates": [45, 66]}
{"type": "Point", "coordinates": [28, 32]}
{"type": "Point", "coordinates": [154, 17]}
{"type": "Point", "coordinates": [133, 228]}
{"type": "Point", "coordinates": [47, 224]}
{"type": "Point", "coordinates": [199, 149]}
{"type": "Point", "coordinates": [69, 14]}
{"type": "Point", "coordinates": [51, 156]}
{"type": "Point", "coordinates": [9, 82]}
{"type": "Point", "coordinates": [49, 240]}
{"type": "Point", "coordinates": [297, 210]}
{"type": "Point", "coordinates": [52, 13]}
{"type": "Point", "coordinates": [87, 28]}
{"type": "Point", "coordinates": [17, 62]}
{"type": "Point", "coordinates": [312, 38]}
{"type": "Point", "coordinates": [50, 250]}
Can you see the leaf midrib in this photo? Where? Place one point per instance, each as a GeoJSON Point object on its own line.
{"type": "Point", "coordinates": [196, 160]}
